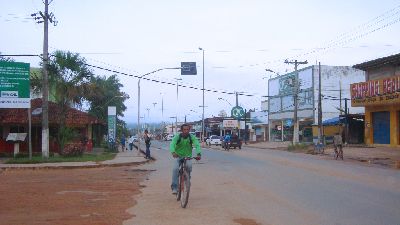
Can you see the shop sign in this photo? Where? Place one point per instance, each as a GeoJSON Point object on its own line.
{"type": "Point", "coordinates": [376, 92]}
{"type": "Point", "coordinates": [230, 123]}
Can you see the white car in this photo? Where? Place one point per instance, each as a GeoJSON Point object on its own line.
{"type": "Point", "coordinates": [214, 140]}
{"type": "Point", "coordinates": [169, 137]}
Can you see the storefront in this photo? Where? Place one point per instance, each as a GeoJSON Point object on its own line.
{"type": "Point", "coordinates": [380, 95]}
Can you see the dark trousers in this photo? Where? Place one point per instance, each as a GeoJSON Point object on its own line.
{"type": "Point", "coordinates": [147, 151]}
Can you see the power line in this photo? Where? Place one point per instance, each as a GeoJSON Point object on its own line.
{"type": "Point", "coordinates": [166, 82]}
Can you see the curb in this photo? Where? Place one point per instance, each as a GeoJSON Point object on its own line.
{"type": "Point", "coordinates": [41, 166]}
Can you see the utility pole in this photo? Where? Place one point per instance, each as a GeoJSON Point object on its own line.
{"type": "Point", "coordinates": [340, 96]}
{"type": "Point", "coordinates": [45, 87]}
{"type": "Point", "coordinates": [295, 96]}
{"type": "Point", "coordinates": [320, 132]}
{"type": "Point", "coordinates": [346, 122]}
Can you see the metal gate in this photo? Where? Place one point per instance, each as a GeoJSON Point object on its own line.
{"type": "Point", "coordinates": [381, 126]}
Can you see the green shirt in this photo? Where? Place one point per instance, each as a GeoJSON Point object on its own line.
{"type": "Point", "coordinates": [183, 149]}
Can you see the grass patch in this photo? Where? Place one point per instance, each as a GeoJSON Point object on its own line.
{"type": "Point", "coordinates": [298, 147]}
{"type": "Point", "coordinates": [56, 158]}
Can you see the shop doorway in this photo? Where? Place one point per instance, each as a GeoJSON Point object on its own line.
{"type": "Point", "coordinates": [381, 126]}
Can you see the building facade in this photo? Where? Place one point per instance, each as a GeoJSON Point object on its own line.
{"type": "Point", "coordinates": [380, 95]}
{"type": "Point", "coordinates": [335, 90]}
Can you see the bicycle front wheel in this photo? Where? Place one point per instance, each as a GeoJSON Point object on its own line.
{"type": "Point", "coordinates": [180, 183]}
{"type": "Point", "coordinates": [185, 189]}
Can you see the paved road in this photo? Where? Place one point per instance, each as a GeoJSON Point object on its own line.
{"type": "Point", "coordinates": [270, 187]}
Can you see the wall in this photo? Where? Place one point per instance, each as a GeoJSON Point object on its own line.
{"type": "Point", "coordinates": [335, 80]}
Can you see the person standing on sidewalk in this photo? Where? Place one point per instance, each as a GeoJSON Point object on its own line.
{"type": "Point", "coordinates": [147, 140]}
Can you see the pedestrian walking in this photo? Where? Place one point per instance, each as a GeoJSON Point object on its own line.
{"type": "Point", "coordinates": [147, 141]}
{"type": "Point", "coordinates": [130, 142]}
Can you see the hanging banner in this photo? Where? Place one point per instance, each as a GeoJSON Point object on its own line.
{"type": "Point", "coordinates": [112, 122]}
{"type": "Point", "coordinates": [14, 85]}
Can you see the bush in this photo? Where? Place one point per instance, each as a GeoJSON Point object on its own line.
{"type": "Point", "coordinates": [73, 150]}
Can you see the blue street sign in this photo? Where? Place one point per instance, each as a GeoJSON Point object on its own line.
{"type": "Point", "coordinates": [188, 68]}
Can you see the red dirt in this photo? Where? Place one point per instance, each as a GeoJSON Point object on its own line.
{"type": "Point", "coordinates": [94, 196]}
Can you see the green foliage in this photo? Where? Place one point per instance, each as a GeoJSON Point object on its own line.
{"type": "Point", "coordinates": [66, 134]}
{"type": "Point", "coordinates": [297, 146]}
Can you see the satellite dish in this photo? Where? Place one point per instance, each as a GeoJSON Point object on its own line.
{"type": "Point", "coordinates": [37, 111]}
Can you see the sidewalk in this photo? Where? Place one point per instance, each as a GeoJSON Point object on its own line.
{"type": "Point", "coordinates": [379, 155]}
{"type": "Point", "coordinates": [121, 159]}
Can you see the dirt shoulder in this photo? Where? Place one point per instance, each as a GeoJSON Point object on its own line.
{"type": "Point", "coordinates": [93, 196]}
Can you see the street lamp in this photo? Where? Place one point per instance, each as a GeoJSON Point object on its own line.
{"type": "Point", "coordinates": [202, 116]}
{"type": "Point", "coordinates": [225, 101]}
{"type": "Point", "coordinates": [269, 70]}
{"type": "Point", "coordinates": [176, 124]}
{"type": "Point", "coordinates": [138, 115]}
{"type": "Point", "coordinates": [177, 99]}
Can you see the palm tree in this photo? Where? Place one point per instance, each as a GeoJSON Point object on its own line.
{"type": "Point", "coordinates": [68, 77]}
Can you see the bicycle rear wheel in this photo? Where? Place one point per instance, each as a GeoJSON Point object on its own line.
{"type": "Point", "coordinates": [185, 189]}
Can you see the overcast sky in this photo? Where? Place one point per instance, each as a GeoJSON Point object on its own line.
{"type": "Point", "coordinates": [240, 38]}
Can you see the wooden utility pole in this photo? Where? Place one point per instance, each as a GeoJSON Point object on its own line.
{"type": "Point", "coordinates": [295, 97]}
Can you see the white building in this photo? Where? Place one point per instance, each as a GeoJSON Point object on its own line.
{"type": "Point", "coordinates": [335, 89]}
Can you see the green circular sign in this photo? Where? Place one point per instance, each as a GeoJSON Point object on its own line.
{"type": "Point", "coordinates": [237, 112]}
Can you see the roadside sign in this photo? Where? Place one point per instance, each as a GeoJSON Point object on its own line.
{"type": "Point", "coordinates": [188, 68]}
{"type": "Point", "coordinates": [237, 112]}
{"type": "Point", "coordinates": [112, 120]}
{"type": "Point", "coordinates": [230, 124]}
{"type": "Point", "coordinates": [14, 85]}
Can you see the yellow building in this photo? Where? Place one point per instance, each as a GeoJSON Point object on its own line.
{"type": "Point", "coordinates": [380, 95]}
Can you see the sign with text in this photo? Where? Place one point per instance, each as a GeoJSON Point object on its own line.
{"type": "Point", "coordinates": [230, 124]}
{"type": "Point", "coordinates": [188, 68]}
{"type": "Point", "coordinates": [14, 85]}
{"type": "Point", "coordinates": [376, 92]}
{"type": "Point", "coordinates": [112, 124]}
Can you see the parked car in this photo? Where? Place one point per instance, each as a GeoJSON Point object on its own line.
{"type": "Point", "coordinates": [169, 137]}
{"type": "Point", "coordinates": [214, 140]}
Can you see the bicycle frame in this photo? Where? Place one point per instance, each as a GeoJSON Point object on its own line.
{"type": "Point", "coordinates": [183, 182]}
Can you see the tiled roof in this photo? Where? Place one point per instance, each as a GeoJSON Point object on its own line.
{"type": "Point", "coordinates": [74, 116]}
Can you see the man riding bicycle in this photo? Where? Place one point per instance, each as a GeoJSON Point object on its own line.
{"type": "Point", "coordinates": [181, 146]}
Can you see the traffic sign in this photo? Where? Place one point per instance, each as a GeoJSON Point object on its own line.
{"type": "Point", "coordinates": [188, 68]}
{"type": "Point", "coordinates": [237, 112]}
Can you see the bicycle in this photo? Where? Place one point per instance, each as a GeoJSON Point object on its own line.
{"type": "Point", "coordinates": [183, 182]}
{"type": "Point", "coordinates": [338, 154]}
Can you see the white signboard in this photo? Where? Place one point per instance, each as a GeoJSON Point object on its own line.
{"type": "Point", "coordinates": [230, 123]}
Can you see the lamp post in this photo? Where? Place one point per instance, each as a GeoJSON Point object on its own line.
{"type": "Point", "coordinates": [269, 70]}
{"type": "Point", "coordinates": [225, 101]}
{"type": "Point", "coordinates": [138, 115]}
{"type": "Point", "coordinates": [202, 117]}
{"type": "Point", "coordinates": [176, 125]}
{"type": "Point", "coordinates": [177, 100]}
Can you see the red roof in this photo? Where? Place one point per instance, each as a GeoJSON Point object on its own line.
{"type": "Point", "coordinates": [74, 116]}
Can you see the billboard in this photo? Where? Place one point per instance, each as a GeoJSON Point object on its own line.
{"type": "Point", "coordinates": [14, 85]}
{"type": "Point", "coordinates": [376, 92]}
{"type": "Point", "coordinates": [259, 118]}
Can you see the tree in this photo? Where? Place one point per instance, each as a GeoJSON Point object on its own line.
{"type": "Point", "coordinates": [222, 113]}
{"type": "Point", "coordinates": [68, 77]}
{"type": "Point", "coordinates": [7, 59]}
